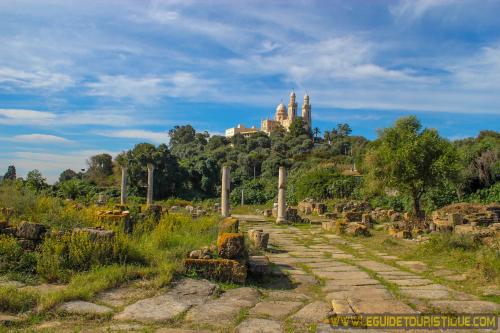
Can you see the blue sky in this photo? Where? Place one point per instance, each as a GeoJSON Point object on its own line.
{"type": "Point", "coordinates": [82, 77]}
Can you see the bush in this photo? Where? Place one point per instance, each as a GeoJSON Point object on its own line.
{"type": "Point", "coordinates": [62, 256]}
{"type": "Point", "coordinates": [16, 300]}
{"type": "Point", "coordinates": [255, 192]}
{"type": "Point", "coordinates": [13, 259]}
{"type": "Point", "coordinates": [486, 196]}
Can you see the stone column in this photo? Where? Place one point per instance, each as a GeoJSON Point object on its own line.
{"type": "Point", "coordinates": [149, 197]}
{"type": "Point", "coordinates": [281, 196]}
{"type": "Point", "coordinates": [123, 196]}
{"type": "Point", "coordinates": [226, 180]}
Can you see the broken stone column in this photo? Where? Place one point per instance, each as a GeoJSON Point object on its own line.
{"type": "Point", "coordinates": [123, 196]}
{"type": "Point", "coordinates": [226, 180]}
{"type": "Point", "coordinates": [281, 196]}
{"type": "Point", "coordinates": [149, 197]}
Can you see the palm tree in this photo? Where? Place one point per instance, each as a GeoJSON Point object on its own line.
{"type": "Point", "coordinates": [316, 132]}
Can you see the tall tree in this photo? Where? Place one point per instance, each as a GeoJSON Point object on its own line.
{"type": "Point", "coordinates": [67, 175]}
{"type": "Point", "coordinates": [36, 181]}
{"type": "Point", "coordinates": [100, 167]}
{"type": "Point", "coordinates": [11, 173]}
{"type": "Point", "coordinates": [411, 160]}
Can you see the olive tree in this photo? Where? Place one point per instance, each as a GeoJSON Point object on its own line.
{"type": "Point", "coordinates": [411, 160]}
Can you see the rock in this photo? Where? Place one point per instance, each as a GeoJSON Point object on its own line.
{"type": "Point", "coordinates": [314, 312]}
{"type": "Point", "coordinates": [403, 234]}
{"type": "Point", "coordinates": [259, 265]}
{"type": "Point", "coordinates": [6, 319]}
{"type": "Point", "coordinates": [275, 309]}
{"type": "Point", "coordinates": [181, 297]}
{"type": "Point", "coordinates": [469, 307]}
{"type": "Point", "coordinates": [259, 238]}
{"type": "Point", "coordinates": [366, 219]}
{"type": "Point", "coordinates": [231, 245]}
{"type": "Point", "coordinates": [258, 326]}
{"type": "Point", "coordinates": [222, 311]}
{"type": "Point", "coordinates": [229, 225]}
{"type": "Point", "coordinates": [84, 308]}
{"type": "Point", "coordinates": [328, 225]}
{"type": "Point", "coordinates": [31, 231]}
{"type": "Point", "coordinates": [352, 216]}
{"type": "Point", "coordinates": [224, 270]}
{"type": "Point", "coordinates": [267, 212]}
{"type": "Point", "coordinates": [95, 234]}
{"type": "Point", "coordinates": [356, 229]}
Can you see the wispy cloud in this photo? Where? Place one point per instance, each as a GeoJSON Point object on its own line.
{"type": "Point", "coordinates": [151, 88]}
{"type": "Point", "coordinates": [414, 9]}
{"type": "Point", "coordinates": [40, 138]}
{"type": "Point", "coordinates": [100, 117]}
{"type": "Point", "coordinates": [155, 137]}
{"type": "Point", "coordinates": [11, 78]}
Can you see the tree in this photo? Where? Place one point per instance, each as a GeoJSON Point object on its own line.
{"type": "Point", "coordinates": [11, 173]}
{"type": "Point", "coordinates": [168, 178]}
{"type": "Point", "coordinates": [316, 132]}
{"type": "Point", "coordinates": [67, 175]}
{"type": "Point", "coordinates": [100, 167]}
{"type": "Point", "coordinates": [182, 135]}
{"type": "Point", "coordinates": [36, 181]}
{"type": "Point", "coordinates": [297, 128]}
{"type": "Point", "coordinates": [343, 130]}
{"type": "Point", "coordinates": [411, 160]}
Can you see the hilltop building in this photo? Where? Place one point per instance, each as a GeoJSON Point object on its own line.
{"type": "Point", "coordinates": [284, 117]}
{"type": "Point", "coordinates": [245, 131]}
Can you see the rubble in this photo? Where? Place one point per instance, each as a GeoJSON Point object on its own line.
{"type": "Point", "coordinates": [309, 206]}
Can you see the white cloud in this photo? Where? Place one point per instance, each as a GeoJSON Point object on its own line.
{"type": "Point", "coordinates": [25, 117]}
{"type": "Point", "coordinates": [413, 9]}
{"type": "Point", "coordinates": [40, 138]}
{"type": "Point", "coordinates": [156, 137]}
{"type": "Point", "coordinates": [38, 79]}
{"type": "Point", "coordinates": [148, 89]}
{"type": "Point", "coordinates": [99, 117]}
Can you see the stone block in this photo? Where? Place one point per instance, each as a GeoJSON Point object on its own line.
{"type": "Point", "coordinates": [268, 212]}
{"type": "Point", "coordinates": [352, 216]}
{"type": "Point", "coordinates": [259, 238]}
{"type": "Point", "coordinates": [403, 234]}
{"type": "Point", "coordinates": [455, 219]}
{"type": "Point", "coordinates": [229, 225]}
{"type": "Point", "coordinates": [96, 235]}
{"type": "Point", "coordinates": [259, 265]}
{"type": "Point", "coordinates": [356, 229]}
{"type": "Point", "coordinates": [231, 246]}
{"type": "Point", "coordinates": [224, 270]}
{"type": "Point", "coordinates": [31, 231]}
{"type": "Point", "coordinates": [328, 225]}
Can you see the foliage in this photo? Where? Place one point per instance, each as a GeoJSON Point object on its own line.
{"type": "Point", "coordinates": [11, 173]}
{"type": "Point", "coordinates": [322, 183]}
{"type": "Point", "coordinates": [168, 177]}
{"type": "Point", "coordinates": [13, 259]}
{"type": "Point", "coordinates": [67, 174]}
{"type": "Point", "coordinates": [75, 188]}
{"type": "Point", "coordinates": [255, 192]}
{"type": "Point", "coordinates": [411, 160]}
{"type": "Point", "coordinates": [16, 301]}
{"type": "Point", "coordinates": [61, 256]}
{"type": "Point", "coordinates": [35, 181]}
{"type": "Point", "coordinates": [486, 195]}
{"type": "Point", "coordinates": [100, 168]}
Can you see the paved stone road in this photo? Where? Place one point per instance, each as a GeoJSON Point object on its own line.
{"type": "Point", "coordinates": [318, 274]}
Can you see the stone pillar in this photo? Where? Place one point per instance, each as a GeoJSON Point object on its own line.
{"type": "Point", "coordinates": [149, 197]}
{"type": "Point", "coordinates": [226, 180]}
{"type": "Point", "coordinates": [281, 196]}
{"type": "Point", "coordinates": [123, 196]}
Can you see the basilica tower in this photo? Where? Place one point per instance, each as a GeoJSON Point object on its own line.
{"type": "Point", "coordinates": [306, 113]}
{"type": "Point", "coordinates": [292, 108]}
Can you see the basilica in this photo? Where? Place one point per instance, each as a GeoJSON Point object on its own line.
{"type": "Point", "coordinates": [284, 117]}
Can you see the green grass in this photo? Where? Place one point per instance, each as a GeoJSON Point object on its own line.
{"type": "Point", "coordinates": [14, 300]}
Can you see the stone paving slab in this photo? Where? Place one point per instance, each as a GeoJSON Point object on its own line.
{"type": "Point", "coordinates": [410, 282]}
{"type": "Point", "coordinates": [274, 309]}
{"type": "Point", "coordinates": [416, 266]}
{"type": "Point", "coordinates": [380, 306]}
{"type": "Point", "coordinates": [312, 313]}
{"type": "Point", "coordinates": [259, 326]}
{"type": "Point", "coordinates": [466, 306]}
{"type": "Point", "coordinates": [84, 308]}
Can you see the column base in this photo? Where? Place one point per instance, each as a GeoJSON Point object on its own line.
{"type": "Point", "coordinates": [281, 220]}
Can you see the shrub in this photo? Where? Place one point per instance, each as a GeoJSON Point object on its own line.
{"type": "Point", "coordinates": [16, 300]}
{"type": "Point", "coordinates": [13, 259]}
{"type": "Point", "coordinates": [61, 256]}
